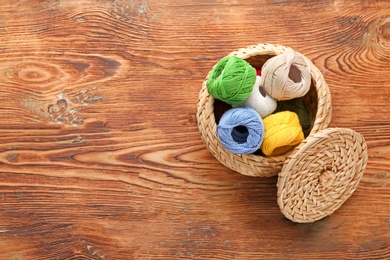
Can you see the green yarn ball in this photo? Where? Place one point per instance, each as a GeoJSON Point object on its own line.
{"type": "Point", "coordinates": [231, 80]}
{"type": "Point", "coordinates": [297, 106]}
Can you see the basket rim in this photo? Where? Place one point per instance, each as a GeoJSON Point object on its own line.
{"type": "Point", "coordinates": [250, 164]}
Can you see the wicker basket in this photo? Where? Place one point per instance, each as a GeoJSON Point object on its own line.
{"type": "Point", "coordinates": [320, 173]}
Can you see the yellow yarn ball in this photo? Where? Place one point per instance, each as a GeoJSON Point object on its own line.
{"type": "Point", "coordinates": [282, 132]}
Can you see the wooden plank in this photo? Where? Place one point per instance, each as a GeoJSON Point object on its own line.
{"type": "Point", "coordinates": [100, 155]}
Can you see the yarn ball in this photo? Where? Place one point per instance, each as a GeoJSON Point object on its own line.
{"type": "Point", "coordinates": [241, 130]}
{"type": "Point", "coordinates": [231, 80]}
{"type": "Point", "coordinates": [286, 76]}
{"type": "Point", "coordinates": [297, 106]}
{"type": "Point", "coordinates": [282, 132]}
{"type": "Point", "coordinates": [260, 101]}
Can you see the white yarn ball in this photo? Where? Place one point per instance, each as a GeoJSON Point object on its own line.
{"type": "Point", "coordinates": [260, 101]}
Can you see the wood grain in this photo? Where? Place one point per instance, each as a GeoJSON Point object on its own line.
{"type": "Point", "coordinates": [100, 156]}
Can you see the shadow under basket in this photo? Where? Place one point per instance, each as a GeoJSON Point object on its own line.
{"type": "Point", "coordinates": [315, 178]}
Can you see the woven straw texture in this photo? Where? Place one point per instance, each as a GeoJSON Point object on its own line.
{"type": "Point", "coordinates": [321, 174]}
{"type": "Point", "coordinates": [209, 110]}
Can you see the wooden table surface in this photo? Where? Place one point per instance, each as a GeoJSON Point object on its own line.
{"type": "Point", "coordinates": [100, 154]}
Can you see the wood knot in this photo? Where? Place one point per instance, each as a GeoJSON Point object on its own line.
{"type": "Point", "coordinates": [33, 73]}
{"type": "Point", "coordinates": [384, 29]}
{"type": "Point", "coordinates": [66, 109]}
{"type": "Point", "coordinates": [59, 107]}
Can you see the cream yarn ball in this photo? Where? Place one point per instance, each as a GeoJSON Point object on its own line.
{"type": "Point", "coordinates": [286, 76]}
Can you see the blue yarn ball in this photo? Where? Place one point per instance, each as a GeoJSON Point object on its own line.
{"type": "Point", "coordinates": [241, 130]}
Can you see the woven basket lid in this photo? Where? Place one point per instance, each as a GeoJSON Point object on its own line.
{"type": "Point", "coordinates": [321, 174]}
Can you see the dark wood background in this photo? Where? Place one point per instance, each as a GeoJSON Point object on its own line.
{"type": "Point", "coordinates": [100, 155]}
